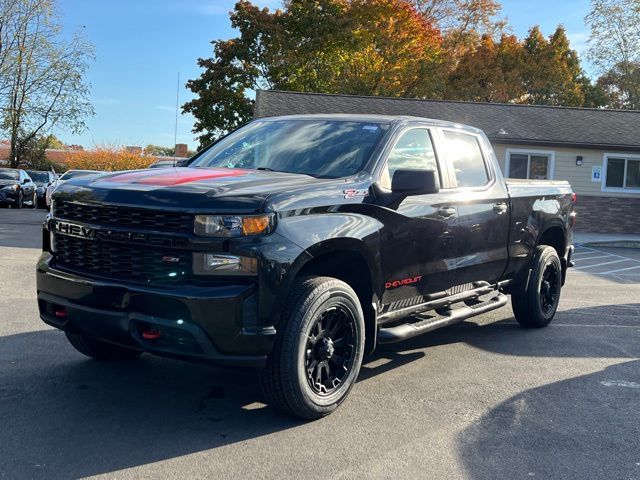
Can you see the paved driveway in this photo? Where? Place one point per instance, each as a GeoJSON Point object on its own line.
{"type": "Point", "coordinates": [484, 399]}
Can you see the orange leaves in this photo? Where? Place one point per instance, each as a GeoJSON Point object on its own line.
{"type": "Point", "coordinates": [107, 159]}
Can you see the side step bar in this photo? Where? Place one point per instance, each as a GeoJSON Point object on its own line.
{"type": "Point", "coordinates": [445, 318]}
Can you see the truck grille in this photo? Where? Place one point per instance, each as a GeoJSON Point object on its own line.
{"type": "Point", "coordinates": [138, 264]}
{"type": "Point", "coordinates": [114, 216]}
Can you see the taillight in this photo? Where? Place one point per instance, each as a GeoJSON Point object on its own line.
{"type": "Point", "coordinates": [574, 197]}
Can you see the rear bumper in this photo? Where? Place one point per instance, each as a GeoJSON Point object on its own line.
{"type": "Point", "coordinates": [215, 325]}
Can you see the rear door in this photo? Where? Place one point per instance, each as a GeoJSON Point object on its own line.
{"type": "Point", "coordinates": [417, 243]}
{"type": "Point", "coordinates": [482, 229]}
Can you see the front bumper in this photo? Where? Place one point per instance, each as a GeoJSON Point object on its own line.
{"type": "Point", "coordinates": [215, 324]}
{"type": "Point", "coordinates": [8, 196]}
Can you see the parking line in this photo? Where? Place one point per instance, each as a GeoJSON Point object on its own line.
{"type": "Point", "coordinates": [601, 264]}
{"type": "Point", "coordinates": [615, 255]}
{"type": "Point", "coordinates": [619, 270]}
{"type": "Point", "coordinates": [592, 258]}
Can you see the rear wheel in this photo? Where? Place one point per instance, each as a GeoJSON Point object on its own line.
{"type": "Point", "coordinates": [318, 349]}
{"type": "Point", "coordinates": [94, 348]}
{"type": "Point", "coordinates": [34, 200]}
{"type": "Point", "coordinates": [537, 306]}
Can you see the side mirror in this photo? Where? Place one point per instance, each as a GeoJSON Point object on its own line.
{"type": "Point", "coordinates": [25, 180]}
{"type": "Point", "coordinates": [415, 182]}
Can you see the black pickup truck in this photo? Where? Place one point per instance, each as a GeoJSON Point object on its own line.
{"type": "Point", "coordinates": [296, 244]}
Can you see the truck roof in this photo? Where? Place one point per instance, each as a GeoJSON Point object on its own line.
{"type": "Point", "coordinates": [373, 118]}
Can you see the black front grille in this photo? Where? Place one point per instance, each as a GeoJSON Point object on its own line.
{"type": "Point", "coordinates": [122, 262]}
{"type": "Point", "coordinates": [113, 216]}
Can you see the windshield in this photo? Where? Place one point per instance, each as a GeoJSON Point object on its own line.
{"type": "Point", "coordinates": [320, 148]}
{"type": "Point", "coordinates": [39, 178]}
{"type": "Point", "coordinates": [9, 175]}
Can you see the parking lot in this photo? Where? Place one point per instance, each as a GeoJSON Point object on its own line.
{"type": "Point", "coordinates": [484, 399]}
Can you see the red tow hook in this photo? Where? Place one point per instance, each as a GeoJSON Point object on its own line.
{"type": "Point", "coordinates": [151, 334]}
{"type": "Point", "coordinates": [60, 312]}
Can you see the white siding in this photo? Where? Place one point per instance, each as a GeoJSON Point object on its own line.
{"type": "Point", "coordinates": [566, 168]}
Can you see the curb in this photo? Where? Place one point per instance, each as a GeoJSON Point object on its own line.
{"type": "Point", "coordinates": [614, 244]}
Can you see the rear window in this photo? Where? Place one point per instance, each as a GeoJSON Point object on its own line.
{"type": "Point", "coordinates": [465, 155]}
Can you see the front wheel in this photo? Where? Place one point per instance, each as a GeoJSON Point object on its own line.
{"type": "Point", "coordinates": [537, 305]}
{"type": "Point", "coordinates": [19, 201]}
{"type": "Point", "coordinates": [318, 349]}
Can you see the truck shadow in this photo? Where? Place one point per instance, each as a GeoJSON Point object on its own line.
{"type": "Point", "coordinates": [583, 427]}
{"type": "Point", "coordinates": [64, 416]}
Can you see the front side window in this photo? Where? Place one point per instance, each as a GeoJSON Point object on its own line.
{"type": "Point", "coordinates": [534, 166]}
{"type": "Point", "coordinates": [623, 173]}
{"type": "Point", "coordinates": [316, 147]}
{"type": "Point", "coordinates": [413, 151]}
{"type": "Point", "coordinates": [465, 155]}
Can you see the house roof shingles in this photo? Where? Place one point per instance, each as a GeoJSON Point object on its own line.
{"type": "Point", "coordinates": [520, 124]}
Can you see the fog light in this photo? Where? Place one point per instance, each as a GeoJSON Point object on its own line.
{"type": "Point", "coordinates": [216, 264]}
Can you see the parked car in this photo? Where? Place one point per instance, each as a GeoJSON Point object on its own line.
{"type": "Point", "coordinates": [42, 179]}
{"type": "Point", "coordinates": [68, 175]}
{"type": "Point", "coordinates": [17, 188]}
{"type": "Point", "coordinates": [164, 163]}
{"type": "Point", "coordinates": [297, 244]}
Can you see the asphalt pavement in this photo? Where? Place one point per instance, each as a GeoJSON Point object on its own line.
{"type": "Point", "coordinates": [485, 399]}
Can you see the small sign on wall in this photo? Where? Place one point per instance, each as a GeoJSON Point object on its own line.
{"type": "Point", "coordinates": [596, 173]}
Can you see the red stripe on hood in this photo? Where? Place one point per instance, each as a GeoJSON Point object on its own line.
{"type": "Point", "coordinates": [175, 176]}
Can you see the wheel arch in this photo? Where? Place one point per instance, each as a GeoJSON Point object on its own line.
{"type": "Point", "coordinates": [346, 259]}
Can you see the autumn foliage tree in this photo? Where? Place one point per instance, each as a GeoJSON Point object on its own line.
{"type": "Point", "coordinates": [368, 47]}
{"type": "Point", "coordinates": [535, 70]}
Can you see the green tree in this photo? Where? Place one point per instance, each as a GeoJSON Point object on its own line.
{"type": "Point", "coordinates": [492, 72]}
{"type": "Point", "coordinates": [552, 72]}
{"type": "Point", "coordinates": [614, 47]}
{"type": "Point", "coordinates": [42, 75]}
{"type": "Point", "coordinates": [373, 47]}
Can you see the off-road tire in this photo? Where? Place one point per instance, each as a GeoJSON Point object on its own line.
{"type": "Point", "coordinates": [285, 382]}
{"type": "Point", "coordinates": [103, 351]}
{"type": "Point", "coordinates": [537, 305]}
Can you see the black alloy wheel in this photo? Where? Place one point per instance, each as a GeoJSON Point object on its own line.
{"type": "Point", "coordinates": [330, 350]}
{"type": "Point", "coordinates": [549, 288]}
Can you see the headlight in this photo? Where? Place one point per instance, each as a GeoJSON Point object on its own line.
{"type": "Point", "coordinates": [228, 226]}
{"type": "Point", "coordinates": [216, 264]}
{"type": "Point", "coordinates": [14, 187]}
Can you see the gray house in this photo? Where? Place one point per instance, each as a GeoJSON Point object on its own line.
{"type": "Point", "coordinates": [597, 150]}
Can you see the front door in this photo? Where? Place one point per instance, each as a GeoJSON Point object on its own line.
{"type": "Point", "coordinates": [417, 242]}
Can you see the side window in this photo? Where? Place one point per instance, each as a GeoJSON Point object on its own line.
{"type": "Point", "coordinates": [465, 155]}
{"type": "Point", "coordinates": [413, 150]}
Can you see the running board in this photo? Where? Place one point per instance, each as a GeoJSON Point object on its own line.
{"type": "Point", "coordinates": [444, 318]}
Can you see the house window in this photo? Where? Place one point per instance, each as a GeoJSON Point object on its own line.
{"type": "Point", "coordinates": [622, 173]}
{"type": "Point", "coordinates": [531, 165]}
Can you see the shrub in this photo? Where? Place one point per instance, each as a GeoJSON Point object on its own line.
{"type": "Point", "coordinates": [107, 159]}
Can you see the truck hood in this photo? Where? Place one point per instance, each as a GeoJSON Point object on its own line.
{"type": "Point", "coordinates": [198, 189]}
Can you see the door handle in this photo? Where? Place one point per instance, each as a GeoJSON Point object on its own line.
{"type": "Point", "coordinates": [446, 212]}
{"type": "Point", "coordinates": [500, 208]}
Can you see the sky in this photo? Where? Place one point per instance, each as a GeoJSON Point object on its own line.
{"type": "Point", "coordinates": [141, 46]}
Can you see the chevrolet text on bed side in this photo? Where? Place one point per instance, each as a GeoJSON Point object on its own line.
{"type": "Point", "coordinates": [296, 244]}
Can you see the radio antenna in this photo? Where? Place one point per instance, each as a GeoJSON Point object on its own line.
{"type": "Point", "coordinates": [175, 130]}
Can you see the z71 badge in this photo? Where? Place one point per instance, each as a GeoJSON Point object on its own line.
{"type": "Point", "coordinates": [353, 193]}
